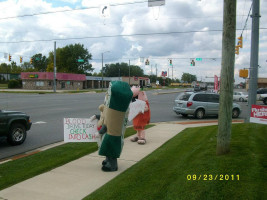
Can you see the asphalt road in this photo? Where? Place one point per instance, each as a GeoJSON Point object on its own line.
{"type": "Point", "coordinates": [48, 110]}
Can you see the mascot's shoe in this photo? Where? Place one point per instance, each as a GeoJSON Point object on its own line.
{"type": "Point", "coordinates": [134, 139]}
{"type": "Point", "coordinates": [111, 165]}
{"type": "Point", "coordinates": [104, 162]}
{"type": "Point", "coordinates": [141, 141]}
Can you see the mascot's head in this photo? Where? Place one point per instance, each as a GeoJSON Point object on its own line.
{"type": "Point", "coordinates": [142, 96]}
{"type": "Point", "coordinates": [138, 93]}
{"type": "Point", "coordinates": [135, 91]}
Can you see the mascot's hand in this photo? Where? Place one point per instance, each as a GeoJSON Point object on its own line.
{"type": "Point", "coordinates": [92, 118]}
{"type": "Point", "coordinates": [97, 135]}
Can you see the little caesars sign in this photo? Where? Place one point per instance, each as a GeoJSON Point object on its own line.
{"type": "Point", "coordinates": [80, 130]}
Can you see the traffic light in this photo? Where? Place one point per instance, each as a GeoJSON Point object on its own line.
{"type": "Point", "coordinates": [9, 58]}
{"type": "Point", "coordinates": [31, 61]}
{"type": "Point", "coordinates": [147, 62]}
{"type": "Point", "coordinates": [240, 42]}
{"type": "Point", "coordinates": [193, 63]}
{"type": "Point", "coordinates": [20, 59]}
{"type": "Point", "coordinates": [171, 62]}
{"type": "Point", "coordinates": [237, 50]}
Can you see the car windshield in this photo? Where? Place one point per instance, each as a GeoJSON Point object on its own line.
{"type": "Point", "coordinates": [184, 96]}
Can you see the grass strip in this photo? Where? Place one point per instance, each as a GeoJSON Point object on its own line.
{"type": "Point", "coordinates": [13, 172]}
{"type": "Point", "coordinates": [186, 167]}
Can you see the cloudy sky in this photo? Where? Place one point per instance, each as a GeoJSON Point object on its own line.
{"type": "Point", "coordinates": [130, 30]}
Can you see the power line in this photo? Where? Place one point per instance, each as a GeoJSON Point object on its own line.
{"type": "Point", "coordinates": [111, 36]}
{"type": "Point", "coordinates": [70, 10]}
{"type": "Point", "coordinates": [247, 19]}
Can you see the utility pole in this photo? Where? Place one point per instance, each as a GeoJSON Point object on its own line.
{"type": "Point", "coordinates": [227, 78]}
{"type": "Point", "coordinates": [254, 57]}
{"type": "Point", "coordinates": [55, 69]}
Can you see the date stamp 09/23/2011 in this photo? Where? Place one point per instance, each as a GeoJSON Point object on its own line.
{"type": "Point", "coordinates": [210, 177]}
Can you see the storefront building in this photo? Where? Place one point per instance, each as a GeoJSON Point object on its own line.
{"type": "Point", "coordinates": [45, 81]}
{"type": "Point", "coordinates": [138, 81]}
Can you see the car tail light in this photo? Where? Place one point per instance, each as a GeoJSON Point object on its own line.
{"type": "Point", "coordinates": [189, 103]}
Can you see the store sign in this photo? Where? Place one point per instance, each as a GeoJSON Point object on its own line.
{"type": "Point", "coordinates": [33, 76]}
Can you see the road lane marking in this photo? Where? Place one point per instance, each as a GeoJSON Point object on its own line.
{"type": "Point", "coordinates": [39, 122]}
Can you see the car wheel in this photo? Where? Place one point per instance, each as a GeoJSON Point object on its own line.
{"type": "Point", "coordinates": [184, 115]}
{"type": "Point", "coordinates": [17, 134]}
{"type": "Point", "coordinates": [235, 113]}
{"type": "Point", "coordinates": [241, 99]}
{"type": "Point", "coordinates": [265, 101]}
{"type": "Point", "coordinates": [199, 114]}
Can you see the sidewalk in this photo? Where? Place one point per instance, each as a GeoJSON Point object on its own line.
{"type": "Point", "coordinates": [81, 177]}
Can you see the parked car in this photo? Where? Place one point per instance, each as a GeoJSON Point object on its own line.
{"type": "Point", "coordinates": [14, 126]}
{"type": "Point", "coordinates": [200, 105]}
{"type": "Point", "coordinates": [240, 96]}
{"type": "Point", "coordinates": [261, 91]}
{"type": "Point", "coordinates": [263, 98]}
{"type": "Point", "coordinates": [197, 88]}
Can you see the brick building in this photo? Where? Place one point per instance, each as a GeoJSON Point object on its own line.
{"type": "Point", "coordinates": [45, 81]}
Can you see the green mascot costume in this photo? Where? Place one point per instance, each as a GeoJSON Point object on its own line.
{"type": "Point", "coordinates": [114, 121]}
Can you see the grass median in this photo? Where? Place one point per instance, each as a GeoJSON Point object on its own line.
{"type": "Point", "coordinates": [186, 167]}
{"type": "Point", "coordinates": [13, 172]}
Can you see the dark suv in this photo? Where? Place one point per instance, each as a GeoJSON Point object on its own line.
{"type": "Point", "coordinates": [14, 125]}
{"type": "Point", "coordinates": [200, 104]}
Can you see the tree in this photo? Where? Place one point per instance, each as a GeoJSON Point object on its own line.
{"type": "Point", "coordinates": [27, 67]}
{"type": "Point", "coordinates": [189, 78]}
{"type": "Point", "coordinates": [227, 78]}
{"type": "Point", "coordinates": [15, 68]}
{"type": "Point", "coordinates": [67, 59]}
{"type": "Point", "coordinates": [5, 68]}
{"type": "Point", "coordinates": [122, 69]}
{"type": "Point", "coordinates": [39, 62]}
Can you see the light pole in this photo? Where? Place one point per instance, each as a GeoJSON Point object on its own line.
{"type": "Point", "coordinates": [102, 67]}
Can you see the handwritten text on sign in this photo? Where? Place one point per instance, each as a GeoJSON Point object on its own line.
{"type": "Point", "coordinates": [80, 130]}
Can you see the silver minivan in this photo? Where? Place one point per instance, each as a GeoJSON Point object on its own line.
{"type": "Point", "coordinates": [200, 104]}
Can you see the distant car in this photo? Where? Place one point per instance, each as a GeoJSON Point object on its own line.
{"type": "Point", "coordinates": [262, 91]}
{"type": "Point", "coordinates": [14, 126]}
{"type": "Point", "coordinates": [149, 86]}
{"type": "Point", "coordinates": [240, 96]}
{"type": "Point", "coordinates": [197, 88]}
{"type": "Point", "coordinates": [200, 104]}
{"type": "Point", "coordinates": [263, 98]}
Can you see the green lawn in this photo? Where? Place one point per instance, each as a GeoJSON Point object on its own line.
{"type": "Point", "coordinates": [191, 154]}
{"type": "Point", "coordinates": [24, 168]}
{"type": "Point", "coordinates": [3, 86]}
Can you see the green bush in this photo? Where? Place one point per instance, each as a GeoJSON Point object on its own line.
{"type": "Point", "coordinates": [14, 84]}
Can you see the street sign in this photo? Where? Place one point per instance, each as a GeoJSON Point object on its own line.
{"type": "Point", "coordinates": [80, 60]}
{"type": "Point", "coordinates": [198, 59]}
